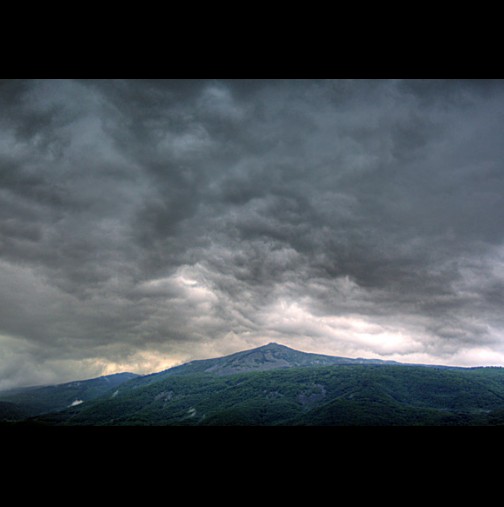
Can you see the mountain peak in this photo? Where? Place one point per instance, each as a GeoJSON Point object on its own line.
{"type": "Point", "coordinates": [271, 356]}
{"type": "Point", "coordinates": [273, 346]}
{"type": "Point", "coordinates": [266, 357]}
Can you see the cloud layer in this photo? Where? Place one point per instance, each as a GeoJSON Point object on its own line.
{"type": "Point", "coordinates": [144, 223]}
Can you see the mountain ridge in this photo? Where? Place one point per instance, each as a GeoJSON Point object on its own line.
{"type": "Point", "coordinates": [276, 385]}
{"type": "Point", "coordinates": [330, 395]}
{"type": "Point", "coordinates": [38, 399]}
{"type": "Point", "coordinates": [270, 356]}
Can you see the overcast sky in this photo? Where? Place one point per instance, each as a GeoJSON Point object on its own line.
{"type": "Point", "coordinates": [148, 223]}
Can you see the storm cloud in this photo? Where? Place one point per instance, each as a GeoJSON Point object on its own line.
{"type": "Point", "coordinates": [148, 222]}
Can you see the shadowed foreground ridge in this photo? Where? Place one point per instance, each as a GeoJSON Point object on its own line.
{"type": "Point", "coordinates": [275, 385]}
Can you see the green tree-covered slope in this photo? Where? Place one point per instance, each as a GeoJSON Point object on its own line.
{"type": "Point", "coordinates": [42, 399]}
{"type": "Point", "coordinates": [318, 395]}
{"type": "Point", "coordinates": [274, 385]}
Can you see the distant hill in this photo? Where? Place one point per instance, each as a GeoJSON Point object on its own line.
{"type": "Point", "coordinates": [35, 400]}
{"type": "Point", "coordinates": [274, 385]}
{"type": "Point", "coordinates": [267, 357]}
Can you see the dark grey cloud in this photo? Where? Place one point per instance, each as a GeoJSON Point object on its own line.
{"type": "Point", "coordinates": [144, 222]}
